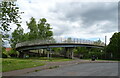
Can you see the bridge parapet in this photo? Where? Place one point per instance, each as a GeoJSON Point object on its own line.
{"type": "Point", "coordinates": [59, 40]}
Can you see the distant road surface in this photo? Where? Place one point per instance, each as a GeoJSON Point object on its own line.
{"type": "Point", "coordinates": [85, 69]}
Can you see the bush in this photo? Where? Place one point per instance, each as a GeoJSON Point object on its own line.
{"type": "Point", "coordinates": [13, 53]}
{"type": "Point", "coordinates": [5, 54]}
{"type": "Point", "coordinates": [97, 54]}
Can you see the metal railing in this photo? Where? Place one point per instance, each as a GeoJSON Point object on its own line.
{"type": "Point", "coordinates": [59, 40]}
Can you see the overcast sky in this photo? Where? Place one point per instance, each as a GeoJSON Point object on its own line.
{"type": "Point", "coordinates": [87, 20]}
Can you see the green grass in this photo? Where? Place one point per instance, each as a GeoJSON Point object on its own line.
{"type": "Point", "coordinates": [9, 64]}
{"type": "Point", "coordinates": [59, 59]}
{"type": "Point", "coordinates": [51, 59]}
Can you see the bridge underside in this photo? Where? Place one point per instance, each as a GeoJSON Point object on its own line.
{"type": "Point", "coordinates": [55, 45]}
{"type": "Point", "coordinates": [68, 52]}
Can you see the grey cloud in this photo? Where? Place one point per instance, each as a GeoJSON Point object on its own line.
{"type": "Point", "coordinates": [108, 28]}
{"type": "Point", "coordinates": [6, 44]}
{"type": "Point", "coordinates": [61, 29]}
{"type": "Point", "coordinates": [89, 14]}
{"type": "Point", "coordinates": [100, 13]}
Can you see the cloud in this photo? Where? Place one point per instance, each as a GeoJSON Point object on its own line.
{"type": "Point", "coordinates": [88, 20]}
{"type": "Point", "coordinates": [88, 13]}
{"type": "Point", "coordinates": [6, 43]}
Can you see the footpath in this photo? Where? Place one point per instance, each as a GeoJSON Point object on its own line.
{"type": "Point", "coordinates": [51, 64]}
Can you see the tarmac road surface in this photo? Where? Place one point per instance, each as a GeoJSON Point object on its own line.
{"type": "Point", "coordinates": [85, 69]}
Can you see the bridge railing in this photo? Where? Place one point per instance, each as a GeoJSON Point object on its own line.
{"type": "Point", "coordinates": [59, 40]}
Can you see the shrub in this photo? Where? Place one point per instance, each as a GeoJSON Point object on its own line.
{"type": "Point", "coordinates": [13, 53]}
{"type": "Point", "coordinates": [5, 54]}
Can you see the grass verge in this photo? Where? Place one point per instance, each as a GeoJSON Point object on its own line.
{"type": "Point", "coordinates": [51, 59]}
{"type": "Point", "coordinates": [10, 64]}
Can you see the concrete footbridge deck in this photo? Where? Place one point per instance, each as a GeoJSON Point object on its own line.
{"type": "Point", "coordinates": [60, 42]}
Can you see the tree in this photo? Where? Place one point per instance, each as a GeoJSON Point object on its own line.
{"type": "Point", "coordinates": [9, 13]}
{"type": "Point", "coordinates": [33, 34]}
{"type": "Point", "coordinates": [113, 47]}
{"type": "Point", "coordinates": [98, 52]}
{"type": "Point", "coordinates": [41, 31]}
{"type": "Point", "coordinates": [44, 29]}
{"type": "Point", "coordinates": [25, 37]}
{"type": "Point", "coordinates": [81, 52]}
{"type": "Point", "coordinates": [57, 50]}
{"type": "Point", "coordinates": [13, 53]}
{"type": "Point", "coordinates": [17, 36]}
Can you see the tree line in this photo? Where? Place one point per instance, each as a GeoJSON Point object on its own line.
{"type": "Point", "coordinates": [113, 48]}
{"type": "Point", "coordinates": [37, 30]}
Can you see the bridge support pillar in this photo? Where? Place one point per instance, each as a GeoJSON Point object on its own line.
{"type": "Point", "coordinates": [48, 52]}
{"type": "Point", "coordinates": [48, 55]}
{"type": "Point", "coordinates": [21, 54]}
{"type": "Point", "coordinates": [69, 52]}
{"type": "Point", "coordinates": [72, 55]}
{"type": "Point", "coordinates": [39, 53]}
{"type": "Point", "coordinates": [65, 52]}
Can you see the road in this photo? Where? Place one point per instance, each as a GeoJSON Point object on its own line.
{"type": "Point", "coordinates": [85, 69]}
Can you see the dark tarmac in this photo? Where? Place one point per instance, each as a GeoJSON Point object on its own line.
{"type": "Point", "coordinates": [85, 69]}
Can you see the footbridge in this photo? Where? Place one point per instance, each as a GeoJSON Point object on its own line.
{"type": "Point", "coordinates": [68, 43]}
{"type": "Point", "coordinates": [59, 42]}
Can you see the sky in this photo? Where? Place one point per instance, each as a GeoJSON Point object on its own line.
{"type": "Point", "coordinates": [92, 20]}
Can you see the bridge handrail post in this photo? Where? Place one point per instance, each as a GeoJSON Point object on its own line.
{"type": "Point", "coordinates": [80, 41]}
{"type": "Point", "coordinates": [77, 40]}
{"type": "Point", "coordinates": [74, 40]}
